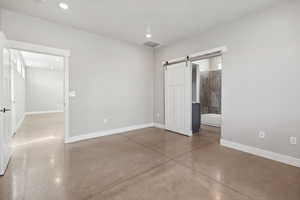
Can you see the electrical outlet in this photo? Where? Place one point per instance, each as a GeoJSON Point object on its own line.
{"type": "Point", "coordinates": [72, 94]}
{"type": "Point", "coordinates": [261, 134]}
{"type": "Point", "coordinates": [293, 140]}
{"type": "Point", "coordinates": [158, 115]}
{"type": "Point", "coordinates": [105, 121]}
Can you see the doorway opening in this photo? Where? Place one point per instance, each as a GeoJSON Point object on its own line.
{"type": "Point", "coordinates": [34, 98]}
{"type": "Point", "coordinates": [207, 96]}
{"type": "Point", "coordinates": [37, 93]}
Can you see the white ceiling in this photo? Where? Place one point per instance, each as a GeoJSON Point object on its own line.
{"type": "Point", "coordinates": [170, 20]}
{"type": "Point", "coordinates": [42, 61]}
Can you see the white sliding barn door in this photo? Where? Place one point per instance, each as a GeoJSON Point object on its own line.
{"type": "Point", "coordinates": [178, 98]}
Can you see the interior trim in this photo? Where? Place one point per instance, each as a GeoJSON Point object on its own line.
{"type": "Point", "coordinates": [159, 125]}
{"type": "Point", "coordinates": [44, 112]}
{"type": "Point", "coordinates": [19, 123]}
{"type": "Point", "coordinates": [87, 136]}
{"type": "Point", "coordinates": [262, 153]}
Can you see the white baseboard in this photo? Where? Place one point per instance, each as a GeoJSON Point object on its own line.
{"type": "Point", "coordinates": [106, 133]}
{"type": "Point", "coordinates": [262, 153]}
{"type": "Point", "coordinates": [19, 123]}
{"type": "Point", "coordinates": [158, 125]}
{"type": "Point", "coordinates": [44, 112]}
{"type": "Point", "coordinates": [2, 172]}
{"type": "Point", "coordinates": [162, 126]}
{"type": "Point", "coordinates": [3, 169]}
{"type": "Point", "coordinates": [210, 124]}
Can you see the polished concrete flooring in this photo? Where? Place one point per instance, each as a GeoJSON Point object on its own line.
{"type": "Point", "coordinates": [139, 165]}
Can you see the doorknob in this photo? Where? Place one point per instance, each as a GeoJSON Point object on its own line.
{"type": "Point", "coordinates": [4, 110]}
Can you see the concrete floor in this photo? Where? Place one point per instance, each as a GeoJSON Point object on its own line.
{"type": "Point", "coordinates": [139, 165]}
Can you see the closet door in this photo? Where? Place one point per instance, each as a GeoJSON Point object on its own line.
{"type": "Point", "coordinates": [178, 98]}
{"type": "Point", "coordinates": [5, 106]}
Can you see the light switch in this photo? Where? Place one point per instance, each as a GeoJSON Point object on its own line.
{"type": "Point", "coordinates": [261, 134]}
{"type": "Point", "coordinates": [293, 140]}
{"type": "Point", "coordinates": [72, 94]}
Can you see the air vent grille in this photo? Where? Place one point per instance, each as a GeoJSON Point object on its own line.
{"type": "Point", "coordinates": [151, 44]}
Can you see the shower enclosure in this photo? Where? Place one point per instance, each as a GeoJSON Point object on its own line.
{"type": "Point", "coordinates": [207, 89]}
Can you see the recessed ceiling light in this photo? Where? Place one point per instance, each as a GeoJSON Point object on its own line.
{"type": "Point", "coordinates": [40, 1]}
{"type": "Point", "coordinates": [148, 35]}
{"type": "Point", "coordinates": [63, 6]}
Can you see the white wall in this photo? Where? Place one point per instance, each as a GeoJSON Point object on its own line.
{"type": "Point", "coordinates": [19, 89]}
{"type": "Point", "coordinates": [0, 19]}
{"type": "Point", "coordinates": [261, 84]}
{"type": "Point", "coordinates": [112, 79]}
{"type": "Point", "coordinates": [44, 89]}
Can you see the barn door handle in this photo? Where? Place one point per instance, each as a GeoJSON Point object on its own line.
{"type": "Point", "coordinates": [4, 110]}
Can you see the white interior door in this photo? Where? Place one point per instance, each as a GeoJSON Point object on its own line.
{"type": "Point", "coordinates": [178, 98]}
{"type": "Point", "coordinates": [5, 106]}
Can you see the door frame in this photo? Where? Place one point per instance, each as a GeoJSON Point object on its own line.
{"type": "Point", "coordinates": [13, 107]}
{"type": "Point", "coordinates": [65, 53]}
{"type": "Point", "coordinates": [222, 49]}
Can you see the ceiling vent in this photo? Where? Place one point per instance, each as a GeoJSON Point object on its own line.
{"type": "Point", "coordinates": [151, 44]}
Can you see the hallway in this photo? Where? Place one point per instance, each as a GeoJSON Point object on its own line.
{"type": "Point", "coordinates": [149, 164]}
